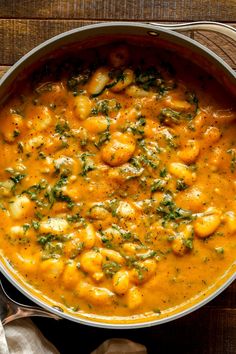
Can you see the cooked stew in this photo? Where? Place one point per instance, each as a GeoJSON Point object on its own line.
{"type": "Point", "coordinates": [118, 182]}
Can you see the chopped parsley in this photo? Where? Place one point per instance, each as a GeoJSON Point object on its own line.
{"type": "Point", "coordinates": [158, 185]}
{"type": "Point", "coordinates": [232, 152]}
{"type": "Point", "coordinates": [169, 210]}
{"type": "Point", "coordinates": [181, 185]}
{"type": "Point", "coordinates": [105, 107]}
{"type": "Point", "coordinates": [104, 136]}
{"type": "Point", "coordinates": [169, 116]}
{"type": "Point", "coordinates": [138, 127]}
{"type": "Point", "coordinates": [35, 189]}
{"type": "Point", "coordinates": [219, 250]}
{"type": "Point", "coordinates": [17, 178]}
{"type": "Point", "coordinates": [188, 243]}
{"type": "Point", "coordinates": [149, 79]}
{"type": "Point", "coordinates": [163, 172]}
{"type": "Point", "coordinates": [35, 224]}
{"type": "Point", "coordinates": [192, 99]}
{"type": "Point", "coordinates": [62, 128]}
{"type": "Point", "coordinates": [110, 268]}
{"type": "Point", "coordinates": [55, 193]}
{"type": "Point", "coordinates": [87, 163]}
{"type": "Point", "coordinates": [43, 239]}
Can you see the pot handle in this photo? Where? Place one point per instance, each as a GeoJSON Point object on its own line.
{"type": "Point", "coordinates": [22, 311]}
{"type": "Point", "coordinates": [211, 26]}
{"type": "Point", "coordinates": [11, 310]}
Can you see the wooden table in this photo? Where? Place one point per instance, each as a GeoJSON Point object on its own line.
{"type": "Point", "coordinates": [26, 23]}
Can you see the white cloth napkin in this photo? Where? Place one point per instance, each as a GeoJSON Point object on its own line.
{"type": "Point", "coordinates": [120, 346]}
{"type": "Point", "coordinates": [23, 337]}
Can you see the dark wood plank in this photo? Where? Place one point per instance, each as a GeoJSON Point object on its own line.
{"type": "Point", "coordinates": [172, 10]}
{"type": "Point", "coordinates": [220, 45]}
{"type": "Point", "coordinates": [3, 69]}
{"type": "Point", "coordinates": [206, 331]}
{"type": "Point", "coordinates": [226, 300]}
{"type": "Point", "coordinates": [18, 36]}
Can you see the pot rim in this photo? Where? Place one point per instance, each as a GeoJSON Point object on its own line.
{"type": "Point", "coordinates": [153, 29]}
{"type": "Point", "coordinates": [99, 323]}
{"type": "Point", "coordinates": [6, 79]}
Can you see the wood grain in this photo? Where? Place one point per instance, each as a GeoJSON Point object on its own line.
{"type": "Point", "coordinates": [220, 45]}
{"type": "Point", "coordinates": [226, 300]}
{"type": "Point", "coordinates": [3, 69]}
{"type": "Point", "coordinates": [161, 10]}
{"type": "Point", "coordinates": [206, 331]}
{"type": "Point", "coordinates": [18, 36]}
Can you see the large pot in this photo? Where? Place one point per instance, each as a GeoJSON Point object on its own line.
{"type": "Point", "coordinates": [139, 33]}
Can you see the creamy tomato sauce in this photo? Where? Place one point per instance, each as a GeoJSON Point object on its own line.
{"type": "Point", "coordinates": [118, 181]}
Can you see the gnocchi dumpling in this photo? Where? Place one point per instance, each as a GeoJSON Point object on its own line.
{"type": "Point", "coordinates": [96, 124]}
{"type": "Point", "coordinates": [183, 172]}
{"type": "Point", "coordinates": [91, 262]}
{"type": "Point", "coordinates": [126, 80]}
{"type": "Point", "coordinates": [98, 81]}
{"type": "Point", "coordinates": [189, 152]}
{"type": "Point", "coordinates": [54, 226]}
{"type": "Point", "coordinates": [119, 56]}
{"type": "Point", "coordinates": [134, 298]}
{"type": "Point", "coordinates": [52, 269]}
{"type": "Point", "coordinates": [207, 224]}
{"type": "Point", "coordinates": [82, 107]}
{"type": "Point", "coordinates": [6, 188]}
{"type": "Point", "coordinates": [119, 149]}
{"type": "Point", "coordinates": [20, 207]}
{"type": "Point", "coordinates": [121, 282]}
{"type": "Point", "coordinates": [87, 236]}
{"type": "Point", "coordinates": [41, 119]}
{"type": "Point", "coordinates": [11, 127]}
{"type": "Point", "coordinates": [71, 275]}
{"type": "Point", "coordinates": [94, 294]}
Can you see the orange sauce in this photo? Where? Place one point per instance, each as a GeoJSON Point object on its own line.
{"type": "Point", "coordinates": [117, 183]}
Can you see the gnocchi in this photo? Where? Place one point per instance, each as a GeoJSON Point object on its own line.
{"type": "Point", "coordinates": [119, 149]}
{"type": "Point", "coordinates": [117, 183]}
